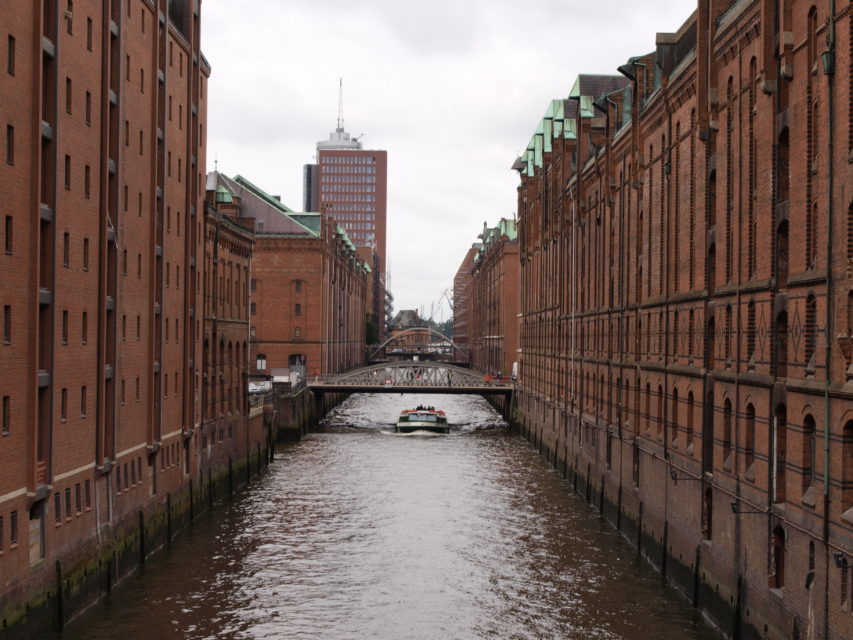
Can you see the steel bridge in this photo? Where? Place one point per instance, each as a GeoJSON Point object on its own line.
{"type": "Point", "coordinates": [411, 377]}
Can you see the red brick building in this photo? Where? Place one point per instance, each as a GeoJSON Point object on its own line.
{"type": "Point", "coordinates": [308, 286]}
{"type": "Point", "coordinates": [225, 348]}
{"type": "Point", "coordinates": [685, 232]}
{"type": "Point", "coordinates": [103, 112]}
{"type": "Point", "coordinates": [350, 183]}
{"type": "Point", "coordinates": [463, 310]}
{"type": "Point", "coordinates": [494, 295]}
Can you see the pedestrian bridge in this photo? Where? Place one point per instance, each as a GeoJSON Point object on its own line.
{"type": "Point", "coordinates": [411, 377]}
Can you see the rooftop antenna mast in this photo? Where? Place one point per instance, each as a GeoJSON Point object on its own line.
{"type": "Point", "coordinates": [340, 104]}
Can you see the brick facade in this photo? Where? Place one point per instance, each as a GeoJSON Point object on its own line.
{"type": "Point", "coordinates": [103, 116]}
{"type": "Point", "coordinates": [685, 232]}
{"type": "Point", "coordinates": [493, 333]}
{"type": "Point", "coordinates": [308, 286]}
{"type": "Point", "coordinates": [463, 318]}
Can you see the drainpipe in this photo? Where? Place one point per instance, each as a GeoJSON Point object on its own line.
{"type": "Point", "coordinates": [829, 70]}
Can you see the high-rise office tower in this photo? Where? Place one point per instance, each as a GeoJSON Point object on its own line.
{"type": "Point", "coordinates": [349, 183]}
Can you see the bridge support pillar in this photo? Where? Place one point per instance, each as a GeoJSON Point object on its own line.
{"type": "Point", "coordinates": [319, 405]}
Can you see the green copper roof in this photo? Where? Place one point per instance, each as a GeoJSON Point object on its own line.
{"type": "Point", "coordinates": [308, 220]}
{"type": "Point", "coordinates": [223, 195]}
{"type": "Point", "coordinates": [553, 125]}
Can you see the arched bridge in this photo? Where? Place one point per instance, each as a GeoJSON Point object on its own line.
{"type": "Point", "coordinates": [398, 340]}
{"type": "Point", "coordinates": [411, 377]}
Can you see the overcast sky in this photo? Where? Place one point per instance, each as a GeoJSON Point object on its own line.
{"type": "Point", "coordinates": [452, 89]}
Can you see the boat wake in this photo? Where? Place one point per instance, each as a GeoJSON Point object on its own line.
{"type": "Point", "coordinates": [420, 433]}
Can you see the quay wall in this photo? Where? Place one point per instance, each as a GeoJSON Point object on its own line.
{"type": "Point", "coordinates": [59, 591]}
{"type": "Point", "coordinates": [658, 516]}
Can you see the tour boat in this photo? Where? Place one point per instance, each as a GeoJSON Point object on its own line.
{"type": "Point", "coordinates": [422, 419]}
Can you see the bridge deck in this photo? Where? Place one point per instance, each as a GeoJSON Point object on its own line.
{"type": "Point", "coordinates": [331, 387]}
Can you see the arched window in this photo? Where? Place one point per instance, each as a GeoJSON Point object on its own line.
{"type": "Point", "coordinates": [749, 444]}
{"type": "Point", "coordinates": [781, 340]}
{"type": "Point", "coordinates": [783, 167]}
{"type": "Point", "coordinates": [809, 452]}
{"type": "Point", "coordinates": [648, 416]}
{"type": "Point", "coordinates": [777, 579]}
{"type": "Point", "coordinates": [689, 423]}
{"type": "Point", "coordinates": [674, 416]}
{"type": "Point", "coordinates": [727, 434]}
{"type": "Point", "coordinates": [261, 362]}
{"type": "Point", "coordinates": [847, 467]}
{"type": "Point", "coordinates": [780, 440]}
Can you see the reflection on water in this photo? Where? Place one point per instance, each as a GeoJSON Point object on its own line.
{"type": "Point", "coordinates": [356, 532]}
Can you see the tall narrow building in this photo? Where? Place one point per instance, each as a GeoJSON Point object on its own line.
{"type": "Point", "coordinates": [103, 112]}
{"type": "Point", "coordinates": [349, 183]}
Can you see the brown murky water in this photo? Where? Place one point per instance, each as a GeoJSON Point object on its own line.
{"type": "Point", "coordinates": [357, 533]}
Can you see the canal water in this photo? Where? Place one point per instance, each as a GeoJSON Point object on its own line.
{"type": "Point", "coordinates": [358, 533]}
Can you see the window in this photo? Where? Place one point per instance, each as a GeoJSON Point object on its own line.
{"type": "Point", "coordinates": [749, 448]}
{"type": "Point", "coordinates": [298, 332]}
{"type": "Point", "coordinates": [87, 493]}
{"type": "Point", "coordinates": [118, 479]}
{"type": "Point", "coordinates": [66, 249]}
{"type": "Point", "coordinates": [847, 467]}
{"type": "Point", "coordinates": [7, 324]}
{"type": "Point", "coordinates": [57, 507]}
{"type": "Point", "coordinates": [689, 423]}
{"type": "Point", "coordinates": [8, 238]}
{"type": "Point", "coordinates": [261, 362]}
{"type": "Point", "coordinates": [750, 331]}
{"type": "Point", "coordinates": [298, 309]}
{"type": "Point", "coordinates": [635, 466]}
{"type": "Point", "coordinates": [122, 392]}
{"type": "Point", "coordinates": [124, 262]}
{"type": "Point", "coordinates": [10, 144]}
{"type": "Point", "coordinates": [10, 56]}
{"type": "Point", "coordinates": [809, 452]}
{"type": "Point", "coordinates": [68, 95]}
{"type": "Point", "coordinates": [87, 181]}
{"type": "Point", "coordinates": [137, 389]}
{"type": "Point", "coordinates": [67, 171]}
{"type": "Point", "coordinates": [7, 414]}
{"type": "Point", "coordinates": [727, 434]}
{"type": "Point", "coordinates": [63, 408]}
{"type": "Point", "coordinates": [13, 528]}
{"type": "Point", "coordinates": [811, 333]}
{"type": "Point", "coordinates": [82, 403]}
{"type": "Point", "coordinates": [89, 33]}
{"type": "Point", "coordinates": [69, 17]}
{"type": "Point", "coordinates": [65, 327]}
{"type": "Point", "coordinates": [298, 286]}
{"type": "Point", "coordinates": [68, 502]}
{"type": "Point", "coordinates": [85, 328]}
{"type": "Point", "coordinates": [89, 108]}
{"type": "Point", "coordinates": [78, 502]}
